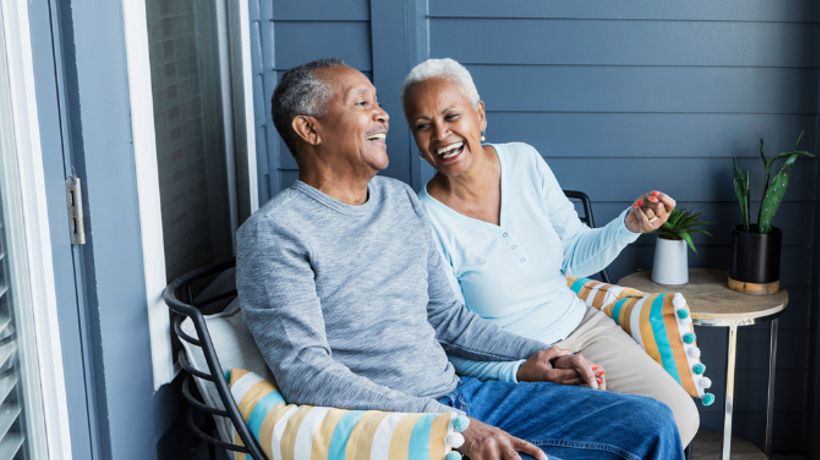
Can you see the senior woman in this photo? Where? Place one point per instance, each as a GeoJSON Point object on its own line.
{"type": "Point", "coordinates": [510, 236]}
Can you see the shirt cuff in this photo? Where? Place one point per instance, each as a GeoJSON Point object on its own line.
{"type": "Point", "coordinates": [511, 372]}
{"type": "Point", "coordinates": [625, 235]}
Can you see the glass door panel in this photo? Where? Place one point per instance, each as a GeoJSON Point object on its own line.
{"type": "Point", "coordinates": [21, 422]}
{"type": "Point", "coordinates": [194, 162]}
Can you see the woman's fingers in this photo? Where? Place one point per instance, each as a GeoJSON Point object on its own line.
{"type": "Point", "coordinates": [650, 211]}
{"type": "Point", "coordinates": [584, 370]}
{"type": "Point", "coordinates": [643, 220]}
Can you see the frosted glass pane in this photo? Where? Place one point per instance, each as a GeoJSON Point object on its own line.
{"type": "Point", "coordinates": [188, 122]}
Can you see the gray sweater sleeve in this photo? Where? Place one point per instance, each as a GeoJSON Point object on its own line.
{"type": "Point", "coordinates": [275, 281]}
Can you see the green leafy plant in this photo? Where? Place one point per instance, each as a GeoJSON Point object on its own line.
{"type": "Point", "coordinates": [681, 225]}
{"type": "Point", "coordinates": [773, 189]}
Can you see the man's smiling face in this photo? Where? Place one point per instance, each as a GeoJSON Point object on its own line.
{"type": "Point", "coordinates": [354, 127]}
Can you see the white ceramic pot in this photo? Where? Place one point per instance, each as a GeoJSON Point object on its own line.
{"type": "Point", "coordinates": [671, 265]}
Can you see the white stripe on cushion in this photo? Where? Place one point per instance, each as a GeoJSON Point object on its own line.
{"type": "Point", "coordinates": [279, 430]}
{"type": "Point", "coordinates": [243, 384]}
{"type": "Point", "coordinates": [635, 320]}
{"type": "Point", "coordinates": [384, 434]}
{"type": "Point", "coordinates": [304, 437]}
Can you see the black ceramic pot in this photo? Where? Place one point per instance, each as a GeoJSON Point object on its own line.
{"type": "Point", "coordinates": [755, 256]}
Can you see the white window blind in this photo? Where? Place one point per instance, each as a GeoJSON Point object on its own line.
{"type": "Point", "coordinates": [11, 414]}
{"type": "Point", "coordinates": [13, 368]}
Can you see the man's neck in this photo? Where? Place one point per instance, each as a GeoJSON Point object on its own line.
{"type": "Point", "coordinates": [345, 189]}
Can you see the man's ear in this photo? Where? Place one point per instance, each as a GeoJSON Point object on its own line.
{"type": "Point", "coordinates": [482, 116]}
{"type": "Point", "coordinates": [305, 127]}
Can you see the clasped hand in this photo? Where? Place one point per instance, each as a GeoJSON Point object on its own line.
{"type": "Point", "coordinates": [563, 367]}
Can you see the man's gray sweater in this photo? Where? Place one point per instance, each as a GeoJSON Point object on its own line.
{"type": "Point", "coordinates": [349, 304]}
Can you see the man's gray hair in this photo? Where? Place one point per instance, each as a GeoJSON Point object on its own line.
{"type": "Point", "coordinates": [442, 68]}
{"type": "Point", "coordinates": [300, 92]}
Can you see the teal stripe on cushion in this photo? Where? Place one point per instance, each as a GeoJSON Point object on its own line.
{"type": "Point", "coordinates": [616, 310]}
{"type": "Point", "coordinates": [579, 284]}
{"type": "Point", "coordinates": [662, 338]}
{"type": "Point", "coordinates": [338, 442]}
{"type": "Point", "coordinates": [419, 447]}
{"type": "Point", "coordinates": [262, 409]}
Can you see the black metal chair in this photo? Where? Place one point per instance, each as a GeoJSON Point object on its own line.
{"type": "Point", "coordinates": [586, 217]}
{"type": "Point", "coordinates": [193, 308]}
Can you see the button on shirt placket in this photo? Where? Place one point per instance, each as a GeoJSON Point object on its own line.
{"type": "Point", "coordinates": [513, 246]}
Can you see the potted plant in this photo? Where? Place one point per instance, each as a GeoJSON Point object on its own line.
{"type": "Point", "coordinates": [756, 247]}
{"type": "Point", "coordinates": [671, 265]}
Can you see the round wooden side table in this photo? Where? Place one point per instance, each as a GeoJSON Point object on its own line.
{"type": "Point", "coordinates": [713, 304]}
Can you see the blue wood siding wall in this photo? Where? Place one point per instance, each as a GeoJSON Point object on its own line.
{"type": "Point", "coordinates": [285, 34]}
{"type": "Point", "coordinates": [620, 97]}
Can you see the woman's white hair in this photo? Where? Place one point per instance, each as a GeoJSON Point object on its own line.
{"type": "Point", "coordinates": [442, 68]}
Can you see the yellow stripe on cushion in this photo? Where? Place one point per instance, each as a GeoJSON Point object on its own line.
{"type": "Point", "coordinates": [288, 442]}
{"type": "Point", "coordinates": [437, 434]}
{"type": "Point", "coordinates": [600, 296]}
{"type": "Point", "coordinates": [647, 334]}
{"type": "Point", "coordinates": [671, 321]}
{"type": "Point", "coordinates": [236, 374]}
{"type": "Point", "coordinates": [238, 441]}
{"type": "Point", "coordinates": [252, 397]}
{"type": "Point", "coordinates": [400, 443]}
{"type": "Point", "coordinates": [585, 291]}
{"type": "Point", "coordinates": [625, 313]}
{"type": "Point", "coordinates": [323, 435]}
{"type": "Point", "coordinates": [273, 417]}
{"type": "Point", "coordinates": [361, 438]}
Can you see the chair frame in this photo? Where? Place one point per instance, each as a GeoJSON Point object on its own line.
{"type": "Point", "coordinates": [187, 309]}
{"type": "Point", "coordinates": [587, 218]}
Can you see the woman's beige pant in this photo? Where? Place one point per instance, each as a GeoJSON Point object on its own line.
{"type": "Point", "coordinates": [629, 369]}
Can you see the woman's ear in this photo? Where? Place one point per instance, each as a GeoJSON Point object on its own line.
{"type": "Point", "coordinates": [482, 116]}
{"type": "Point", "coordinates": [305, 127]}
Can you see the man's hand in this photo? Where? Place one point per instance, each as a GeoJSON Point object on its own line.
{"type": "Point", "coordinates": [482, 441]}
{"type": "Point", "coordinates": [560, 366]}
{"type": "Point", "coordinates": [589, 374]}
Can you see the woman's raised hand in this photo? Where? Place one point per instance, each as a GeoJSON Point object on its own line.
{"type": "Point", "coordinates": [649, 212]}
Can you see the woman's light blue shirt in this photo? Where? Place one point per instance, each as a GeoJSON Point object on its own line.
{"type": "Point", "coordinates": [513, 274]}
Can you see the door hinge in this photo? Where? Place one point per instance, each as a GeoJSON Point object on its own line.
{"type": "Point", "coordinates": [74, 202]}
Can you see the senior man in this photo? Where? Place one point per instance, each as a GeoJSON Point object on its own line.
{"type": "Point", "coordinates": [344, 293]}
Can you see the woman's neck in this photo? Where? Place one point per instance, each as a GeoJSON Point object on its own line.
{"type": "Point", "coordinates": [474, 184]}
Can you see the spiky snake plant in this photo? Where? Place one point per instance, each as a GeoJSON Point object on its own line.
{"type": "Point", "coordinates": [681, 225]}
{"type": "Point", "coordinates": [773, 189]}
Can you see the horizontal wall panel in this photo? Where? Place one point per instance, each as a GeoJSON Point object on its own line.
{"type": "Point", "coordinates": [647, 89]}
{"type": "Point", "coordinates": [791, 219]}
{"type": "Point", "coordinates": [793, 350]}
{"type": "Point", "coordinates": [612, 42]}
{"type": "Point", "coordinates": [750, 385]}
{"type": "Point", "coordinates": [687, 179]}
{"type": "Point", "coordinates": [649, 135]}
{"type": "Point", "coordinates": [300, 42]}
{"type": "Point", "coordinates": [318, 10]}
{"type": "Point", "coordinates": [728, 10]}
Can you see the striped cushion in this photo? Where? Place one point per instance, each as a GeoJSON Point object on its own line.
{"type": "Point", "coordinates": [659, 322]}
{"type": "Point", "coordinates": [288, 431]}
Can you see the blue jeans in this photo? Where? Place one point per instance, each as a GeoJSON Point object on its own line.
{"type": "Point", "coordinates": [572, 422]}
